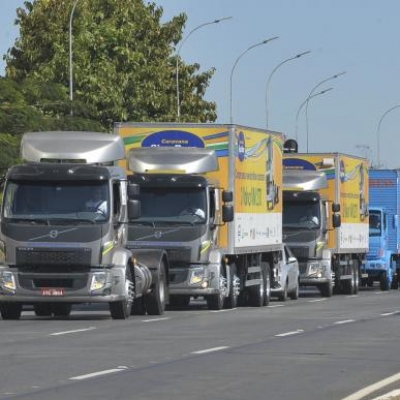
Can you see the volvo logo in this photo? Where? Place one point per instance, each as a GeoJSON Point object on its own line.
{"type": "Point", "coordinates": [53, 234]}
{"type": "Point", "coordinates": [157, 234]}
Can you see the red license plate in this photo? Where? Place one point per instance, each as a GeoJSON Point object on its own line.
{"type": "Point", "coordinates": [56, 292]}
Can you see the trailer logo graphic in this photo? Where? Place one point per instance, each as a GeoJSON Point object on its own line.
{"type": "Point", "coordinates": [172, 138]}
{"type": "Point", "coordinates": [241, 146]}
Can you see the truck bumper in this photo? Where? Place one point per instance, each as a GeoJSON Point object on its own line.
{"type": "Point", "coordinates": [309, 281]}
{"type": "Point", "coordinates": [196, 280]}
{"type": "Point", "coordinates": [100, 286]}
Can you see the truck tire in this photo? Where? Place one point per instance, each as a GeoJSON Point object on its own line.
{"type": "Point", "coordinates": [216, 301]}
{"type": "Point", "coordinates": [384, 283]}
{"type": "Point", "coordinates": [155, 300]}
{"type": "Point", "coordinates": [326, 289]}
{"type": "Point", "coordinates": [232, 300]}
{"type": "Point", "coordinates": [267, 283]}
{"type": "Point", "coordinates": [395, 282]}
{"type": "Point", "coordinates": [122, 309]}
{"type": "Point", "coordinates": [42, 309]}
{"type": "Point", "coordinates": [179, 301]}
{"type": "Point", "coordinates": [10, 311]}
{"type": "Point", "coordinates": [138, 307]}
{"type": "Point", "coordinates": [257, 292]}
{"type": "Point", "coordinates": [62, 309]}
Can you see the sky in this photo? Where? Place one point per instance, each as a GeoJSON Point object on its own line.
{"type": "Point", "coordinates": [356, 113]}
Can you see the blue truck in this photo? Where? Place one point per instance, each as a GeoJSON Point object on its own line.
{"type": "Point", "coordinates": [383, 258]}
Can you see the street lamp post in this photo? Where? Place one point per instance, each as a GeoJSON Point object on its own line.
{"type": "Point", "coordinates": [378, 133]}
{"type": "Point", "coordinates": [302, 105]}
{"type": "Point", "coordinates": [178, 54]}
{"type": "Point", "coordinates": [270, 76]}
{"type": "Point", "coordinates": [234, 66]}
{"type": "Point", "coordinates": [311, 93]}
{"type": "Point", "coordinates": [71, 85]}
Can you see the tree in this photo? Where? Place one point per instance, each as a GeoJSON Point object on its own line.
{"type": "Point", "coordinates": [123, 59]}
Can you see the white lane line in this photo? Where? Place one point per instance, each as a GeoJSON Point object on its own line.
{"type": "Point", "coordinates": [210, 350]}
{"type": "Point", "coordinates": [99, 373]}
{"type": "Point", "coordinates": [317, 301]}
{"type": "Point", "coordinates": [227, 310]}
{"type": "Point", "coordinates": [389, 313]}
{"type": "Point", "coordinates": [290, 333]}
{"type": "Point", "coordinates": [388, 396]}
{"type": "Point", "coordinates": [276, 305]}
{"type": "Point", "coordinates": [74, 331]}
{"type": "Point", "coordinates": [155, 319]}
{"type": "Point", "coordinates": [345, 321]}
{"type": "Point", "coordinates": [373, 388]}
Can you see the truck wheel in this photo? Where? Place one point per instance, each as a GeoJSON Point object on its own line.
{"type": "Point", "coordinates": [257, 292]}
{"type": "Point", "coordinates": [356, 277]}
{"type": "Point", "coordinates": [395, 282]}
{"type": "Point", "coordinates": [155, 301]}
{"type": "Point", "coordinates": [122, 309]}
{"type": "Point", "coordinates": [267, 283]}
{"type": "Point", "coordinates": [10, 311]}
{"type": "Point", "coordinates": [384, 283]}
{"type": "Point", "coordinates": [62, 309]}
{"type": "Point", "coordinates": [216, 301]}
{"type": "Point", "coordinates": [326, 289]}
{"type": "Point", "coordinates": [232, 300]}
{"type": "Point", "coordinates": [138, 307]}
{"type": "Point", "coordinates": [42, 309]}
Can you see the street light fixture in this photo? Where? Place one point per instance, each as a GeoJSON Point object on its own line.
{"type": "Point", "coordinates": [270, 76]}
{"type": "Point", "coordinates": [311, 93]}
{"type": "Point", "coordinates": [234, 66]}
{"type": "Point", "coordinates": [302, 105]}
{"type": "Point", "coordinates": [178, 54]}
{"type": "Point", "coordinates": [71, 85]}
{"type": "Point", "coordinates": [378, 133]}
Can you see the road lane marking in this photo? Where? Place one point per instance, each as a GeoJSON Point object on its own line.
{"type": "Point", "coordinates": [155, 319]}
{"type": "Point", "coordinates": [388, 396]}
{"type": "Point", "coordinates": [317, 300]}
{"type": "Point", "coordinates": [389, 313]}
{"type": "Point", "coordinates": [373, 388]}
{"type": "Point", "coordinates": [99, 373]}
{"type": "Point", "coordinates": [276, 305]}
{"type": "Point", "coordinates": [227, 310]}
{"type": "Point", "coordinates": [290, 333]}
{"type": "Point", "coordinates": [210, 350]}
{"type": "Point", "coordinates": [345, 321]}
{"type": "Point", "coordinates": [74, 331]}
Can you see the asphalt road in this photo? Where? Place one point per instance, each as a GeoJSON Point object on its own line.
{"type": "Point", "coordinates": [306, 349]}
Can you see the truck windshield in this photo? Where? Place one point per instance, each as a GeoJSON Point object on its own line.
{"type": "Point", "coordinates": [375, 223]}
{"type": "Point", "coordinates": [54, 200]}
{"type": "Point", "coordinates": [178, 205]}
{"type": "Point", "coordinates": [301, 215]}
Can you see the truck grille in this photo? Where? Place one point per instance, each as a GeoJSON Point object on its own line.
{"type": "Point", "coordinates": [37, 281]}
{"type": "Point", "coordinates": [31, 257]}
{"type": "Point", "coordinates": [300, 252]}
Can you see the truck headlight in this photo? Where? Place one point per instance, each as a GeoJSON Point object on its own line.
{"type": "Point", "coordinates": [99, 280]}
{"type": "Point", "coordinates": [196, 276]}
{"type": "Point", "coordinates": [7, 280]}
{"type": "Point", "coordinates": [317, 269]}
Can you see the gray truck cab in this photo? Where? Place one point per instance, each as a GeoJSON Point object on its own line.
{"type": "Point", "coordinates": [58, 247]}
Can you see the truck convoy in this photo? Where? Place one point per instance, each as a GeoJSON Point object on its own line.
{"type": "Point", "coordinates": [383, 261]}
{"type": "Point", "coordinates": [55, 251]}
{"type": "Point", "coordinates": [211, 197]}
{"type": "Point", "coordinates": [325, 218]}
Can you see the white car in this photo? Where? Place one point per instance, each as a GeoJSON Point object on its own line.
{"type": "Point", "coordinates": [286, 276]}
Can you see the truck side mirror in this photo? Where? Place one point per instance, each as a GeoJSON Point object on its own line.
{"type": "Point", "coordinates": [227, 213]}
{"type": "Point", "coordinates": [134, 210]}
{"type": "Point", "coordinates": [133, 190]}
{"type": "Point", "coordinates": [335, 207]}
{"type": "Point", "coordinates": [337, 221]}
{"type": "Point", "coordinates": [227, 196]}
